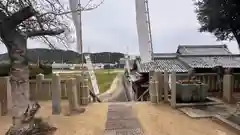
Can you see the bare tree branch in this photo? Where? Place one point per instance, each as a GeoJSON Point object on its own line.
{"type": "Point", "coordinates": [20, 16]}
{"type": "Point", "coordinates": [45, 32]}
{"type": "Point", "coordinates": [88, 8]}
{"type": "Point", "coordinates": [47, 15]}
{"type": "Point", "coordinates": [85, 8]}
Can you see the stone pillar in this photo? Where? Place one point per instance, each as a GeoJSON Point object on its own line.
{"type": "Point", "coordinates": [85, 92]}
{"type": "Point", "coordinates": [38, 93]}
{"type": "Point", "coordinates": [166, 86]}
{"type": "Point", "coordinates": [160, 85]}
{"type": "Point", "coordinates": [79, 80]}
{"type": "Point", "coordinates": [72, 94]}
{"type": "Point", "coordinates": [5, 96]}
{"type": "Point", "coordinates": [56, 94]}
{"type": "Point", "coordinates": [152, 87]}
{"type": "Point", "coordinates": [173, 90]}
{"type": "Point", "coordinates": [227, 88]}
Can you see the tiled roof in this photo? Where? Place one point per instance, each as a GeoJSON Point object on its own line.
{"type": "Point", "coordinates": [203, 50]}
{"type": "Point", "coordinates": [164, 55]}
{"type": "Point", "coordinates": [227, 61]}
{"type": "Point", "coordinates": [168, 64]}
{"type": "Point", "coordinates": [201, 56]}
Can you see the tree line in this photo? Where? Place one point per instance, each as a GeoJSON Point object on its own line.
{"type": "Point", "coordinates": [48, 56]}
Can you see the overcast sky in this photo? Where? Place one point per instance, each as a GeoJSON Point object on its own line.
{"type": "Point", "coordinates": [112, 27]}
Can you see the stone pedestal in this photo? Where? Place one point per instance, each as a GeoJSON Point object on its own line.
{"type": "Point", "coordinates": [228, 88]}
{"type": "Point", "coordinates": [173, 90]}
{"type": "Point", "coordinates": [152, 87]}
{"type": "Point", "coordinates": [166, 86]}
{"type": "Point", "coordinates": [39, 80]}
{"type": "Point", "coordinates": [159, 85]}
{"type": "Point", "coordinates": [72, 94]}
{"type": "Point", "coordinates": [85, 93]}
{"type": "Point", "coordinates": [56, 94]}
{"type": "Point", "coordinates": [79, 80]}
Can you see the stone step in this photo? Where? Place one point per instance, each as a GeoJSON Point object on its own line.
{"type": "Point", "coordinates": [121, 120]}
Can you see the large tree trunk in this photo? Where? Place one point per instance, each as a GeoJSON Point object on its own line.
{"type": "Point", "coordinates": [19, 74]}
{"type": "Point", "coordinates": [236, 35]}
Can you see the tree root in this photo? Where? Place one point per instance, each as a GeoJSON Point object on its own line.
{"type": "Point", "coordinates": [31, 125]}
{"type": "Point", "coordinates": [36, 127]}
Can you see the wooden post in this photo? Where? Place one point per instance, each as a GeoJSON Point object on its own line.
{"type": "Point", "coordinates": [85, 92]}
{"type": "Point", "coordinates": [79, 80]}
{"type": "Point", "coordinates": [173, 90]}
{"type": "Point", "coordinates": [166, 86]}
{"type": "Point", "coordinates": [227, 87]}
{"type": "Point", "coordinates": [72, 94]}
{"type": "Point", "coordinates": [56, 94]}
{"type": "Point", "coordinates": [38, 93]}
{"type": "Point", "coordinates": [160, 85]}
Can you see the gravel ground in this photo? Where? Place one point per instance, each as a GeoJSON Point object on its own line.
{"type": "Point", "coordinates": [163, 120]}
{"type": "Point", "coordinates": [81, 124]}
{"type": "Point", "coordinates": [154, 119]}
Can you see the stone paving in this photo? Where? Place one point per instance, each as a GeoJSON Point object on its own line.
{"type": "Point", "coordinates": [122, 121]}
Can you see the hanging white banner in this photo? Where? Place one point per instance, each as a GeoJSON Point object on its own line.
{"type": "Point", "coordinates": [76, 16]}
{"type": "Point", "coordinates": [143, 32]}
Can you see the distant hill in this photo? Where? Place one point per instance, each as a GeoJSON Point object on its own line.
{"type": "Point", "coordinates": [48, 56]}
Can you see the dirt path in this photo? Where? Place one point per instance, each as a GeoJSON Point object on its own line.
{"type": "Point", "coordinates": [162, 120]}
{"type": "Point", "coordinates": [109, 93]}
{"type": "Point", "coordinates": [117, 92]}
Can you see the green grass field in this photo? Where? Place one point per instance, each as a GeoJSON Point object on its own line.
{"type": "Point", "coordinates": [105, 79]}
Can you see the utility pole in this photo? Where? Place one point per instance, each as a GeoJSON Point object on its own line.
{"type": "Point", "coordinates": [80, 37]}
{"type": "Point", "coordinates": [76, 9]}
